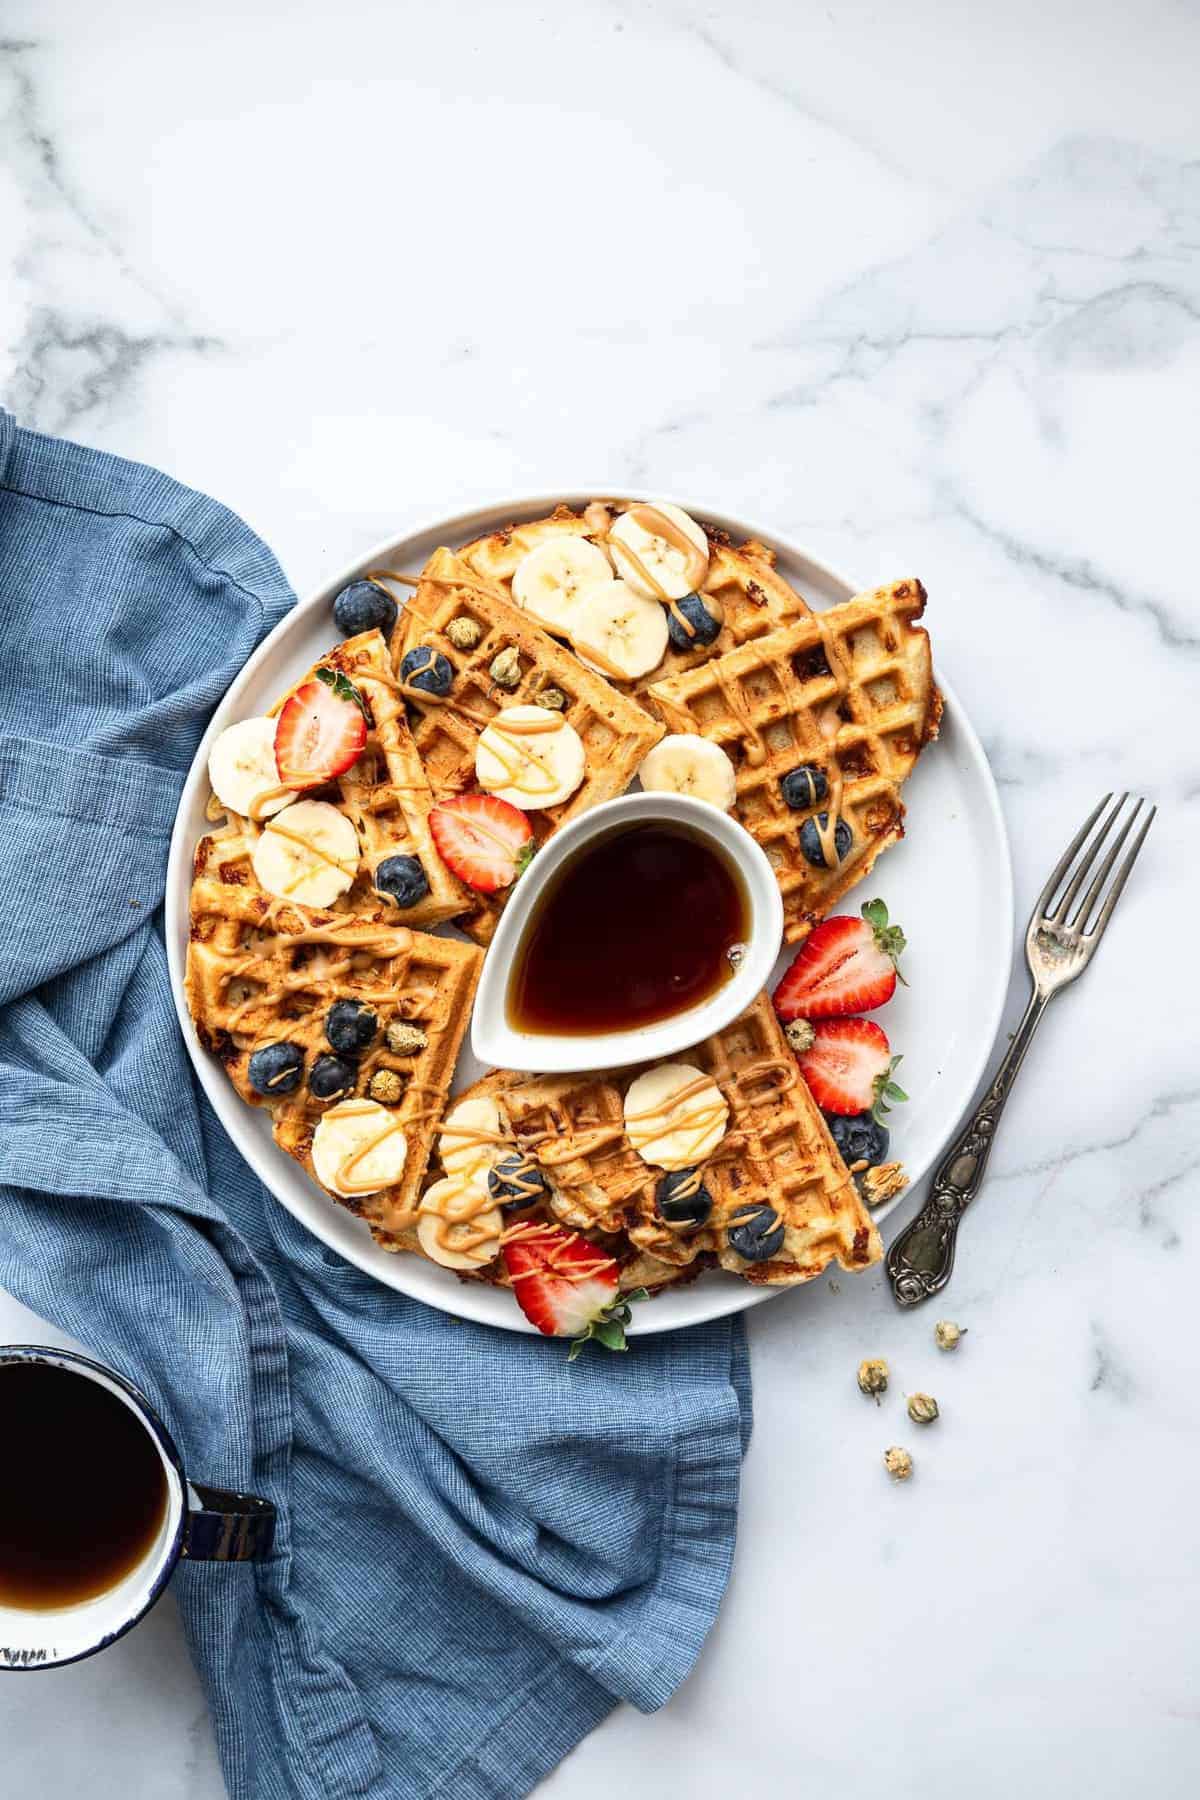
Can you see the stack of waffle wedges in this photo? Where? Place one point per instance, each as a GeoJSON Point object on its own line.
{"type": "Point", "coordinates": [848, 691]}
{"type": "Point", "coordinates": [776, 1154]}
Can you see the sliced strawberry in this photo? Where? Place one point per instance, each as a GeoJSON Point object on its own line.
{"type": "Point", "coordinates": [486, 842]}
{"type": "Point", "coordinates": [321, 730]}
{"type": "Point", "coordinates": [849, 1067]}
{"type": "Point", "coordinates": [845, 966]}
{"type": "Point", "coordinates": [568, 1288]}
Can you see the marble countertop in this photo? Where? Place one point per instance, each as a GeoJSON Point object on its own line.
{"type": "Point", "coordinates": [921, 285]}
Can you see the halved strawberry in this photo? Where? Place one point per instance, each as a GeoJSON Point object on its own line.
{"type": "Point", "coordinates": [849, 1067]}
{"type": "Point", "coordinates": [568, 1288]}
{"type": "Point", "coordinates": [845, 966]}
{"type": "Point", "coordinates": [486, 842]}
{"type": "Point", "coordinates": [321, 729]}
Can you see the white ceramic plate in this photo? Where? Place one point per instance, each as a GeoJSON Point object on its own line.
{"type": "Point", "coordinates": [949, 884]}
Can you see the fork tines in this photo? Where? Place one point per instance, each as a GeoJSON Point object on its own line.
{"type": "Point", "coordinates": [1092, 913]}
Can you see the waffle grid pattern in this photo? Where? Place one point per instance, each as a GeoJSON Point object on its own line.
{"type": "Point", "coordinates": [615, 731]}
{"type": "Point", "coordinates": [261, 971]}
{"type": "Point", "coordinates": [776, 1151]}
{"type": "Point", "coordinates": [850, 691]}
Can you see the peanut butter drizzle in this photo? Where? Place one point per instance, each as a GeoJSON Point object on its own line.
{"type": "Point", "coordinates": [756, 750]}
{"type": "Point", "coordinates": [511, 732]}
{"type": "Point", "coordinates": [697, 1123]}
{"type": "Point", "coordinates": [349, 1162]}
{"type": "Point", "coordinates": [828, 725]}
{"type": "Point", "coordinates": [640, 569]}
{"type": "Point", "coordinates": [659, 525]}
{"type": "Point", "coordinates": [295, 786]}
{"type": "Point", "coordinates": [684, 623]}
{"type": "Point", "coordinates": [469, 1203]}
{"type": "Point", "coordinates": [601, 661]}
{"type": "Point", "coordinates": [294, 837]}
{"type": "Point", "coordinates": [529, 1229]}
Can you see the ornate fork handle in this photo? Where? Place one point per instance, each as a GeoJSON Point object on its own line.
{"type": "Point", "coordinates": [920, 1261]}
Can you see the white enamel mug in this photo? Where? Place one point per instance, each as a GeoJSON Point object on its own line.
{"type": "Point", "coordinates": [201, 1523]}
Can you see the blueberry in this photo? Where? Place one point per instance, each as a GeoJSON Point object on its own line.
{"type": "Point", "coordinates": [350, 1026]}
{"type": "Point", "coordinates": [755, 1233]}
{"type": "Point", "coordinates": [364, 607]}
{"type": "Point", "coordinates": [402, 879]}
{"type": "Point", "coordinates": [810, 840]}
{"type": "Point", "coordinates": [331, 1078]}
{"type": "Point", "coordinates": [276, 1069]}
{"type": "Point", "coordinates": [704, 614]}
{"type": "Point", "coordinates": [428, 670]}
{"type": "Point", "coordinates": [516, 1180]}
{"type": "Point", "coordinates": [805, 786]}
{"type": "Point", "coordinates": [859, 1138]}
{"type": "Point", "coordinates": [681, 1198]}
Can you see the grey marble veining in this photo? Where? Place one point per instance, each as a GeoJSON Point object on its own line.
{"type": "Point", "coordinates": [922, 287]}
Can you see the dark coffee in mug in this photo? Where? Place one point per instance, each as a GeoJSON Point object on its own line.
{"type": "Point", "coordinates": [83, 1493]}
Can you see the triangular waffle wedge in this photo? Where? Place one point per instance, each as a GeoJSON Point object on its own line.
{"type": "Point", "coordinates": [849, 691]}
{"type": "Point", "coordinates": [754, 597]}
{"type": "Point", "coordinates": [263, 971]}
{"type": "Point", "coordinates": [384, 794]}
{"type": "Point", "coordinates": [776, 1152]}
{"type": "Point", "coordinates": [615, 731]}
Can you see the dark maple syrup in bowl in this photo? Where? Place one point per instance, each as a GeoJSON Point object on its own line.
{"type": "Point", "coordinates": [642, 924]}
{"type": "Point", "coordinates": [82, 1489]}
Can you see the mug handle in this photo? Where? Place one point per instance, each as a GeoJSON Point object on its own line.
{"type": "Point", "coordinates": [227, 1527]}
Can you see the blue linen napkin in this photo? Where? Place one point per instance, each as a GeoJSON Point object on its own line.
{"type": "Point", "coordinates": [480, 1548]}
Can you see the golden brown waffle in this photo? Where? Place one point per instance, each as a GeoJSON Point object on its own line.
{"type": "Point", "coordinates": [262, 970]}
{"type": "Point", "coordinates": [615, 731]}
{"type": "Point", "coordinates": [776, 1152]}
{"type": "Point", "coordinates": [849, 691]}
{"type": "Point", "coordinates": [385, 795]}
{"type": "Point", "coordinates": [754, 597]}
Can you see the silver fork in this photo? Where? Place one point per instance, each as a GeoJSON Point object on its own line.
{"type": "Point", "coordinates": [1057, 949]}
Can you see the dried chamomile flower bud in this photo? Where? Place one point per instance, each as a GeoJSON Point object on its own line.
{"type": "Point", "coordinates": [464, 633]}
{"type": "Point", "coordinates": [404, 1039]}
{"type": "Point", "coordinates": [800, 1035]}
{"type": "Point", "coordinates": [898, 1463]}
{"type": "Point", "coordinates": [385, 1085]}
{"type": "Point", "coordinates": [554, 698]}
{"type": "Point", "coordinates": [946, 1334]}
{"type": "Point", "coordinates": [873, 1376]}
{"type": "Point", "coordinates": [922, 1409]}
{"type": "Point", "coordinates": [506, 668]}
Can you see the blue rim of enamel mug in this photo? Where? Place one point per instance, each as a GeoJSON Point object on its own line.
{"type": "Point", "coordinates": [71, 1359]}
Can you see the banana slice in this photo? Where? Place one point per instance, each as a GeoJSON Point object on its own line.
{"type": "Point", "coordinates": [242, 770]}
{"type": "Point", "coordinates": [675, 1116]}
{"type": "Point", "coordinates": [548, 581]}
{"type": "Point", "coordinates": [358, 1147]}
{"type": "Point", "coordinates": [684, 763]}
{"type": "Point", "coordinates": [456, 1227]}
{"type": "Point", "coordinates": [659, 551]}
{"type": "Point", "coordinates": [472, 1138]}
{"type": "Point", "coordinates": [307, 853]}
{"type": "Point", "coordinates": [530, 757]}
{"type": "Point", "coordinates": [625, 633]}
